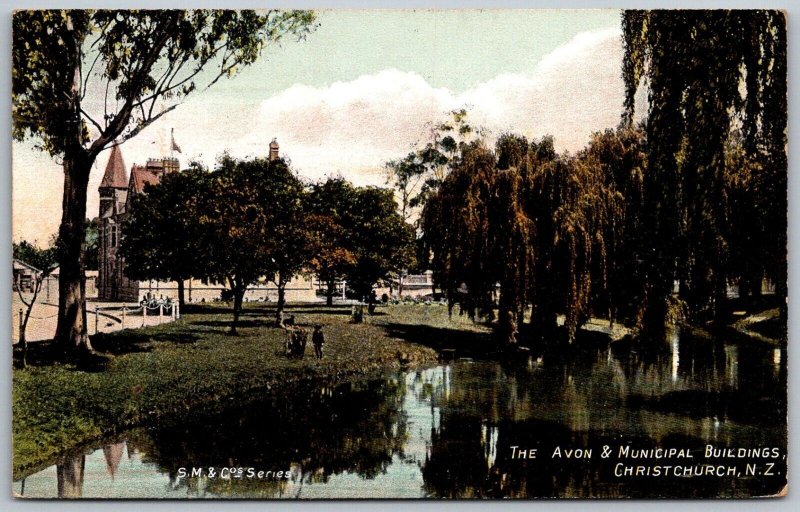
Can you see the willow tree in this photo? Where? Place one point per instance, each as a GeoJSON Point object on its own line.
{"type": "Point", "coordinates": [512, 235]}
{"type": "Point", "coordinates": [746, 216]}
{"type": "Point", "coordinates": [480, 237]}
{"type": "Point", "coordinates": [576, 214]}
{"type": "Point", "coordinates": [523, 226]}
{"type": "Point", "coordinates": [707, 72]}
{"type": "Point", "coordinates": [459, 227]}
{"type": "Point", "coordinates": [620, 155]}
{"type": "Point", "coordinates": [84, 80]}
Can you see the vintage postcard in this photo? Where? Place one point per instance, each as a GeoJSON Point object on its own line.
{"type": "Point", "coordinates": [359, 254]}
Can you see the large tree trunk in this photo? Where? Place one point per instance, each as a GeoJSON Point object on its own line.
{"type": "Point", "coordinates": [238, 295]}
{"type": "Point", "coordinates": [71, 332]}
{"type": "Point", "coordinates": [281, 302]}
{"type": "Point", "coordinates": [655, 313]}
{"type": "Point", "coordinates": [181, 293]}
{"type": "Point", "coordinates": [329, 294]}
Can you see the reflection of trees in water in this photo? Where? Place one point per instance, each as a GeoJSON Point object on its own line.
{"type": "Point", "coordinates": [709, 381]}
{"type": "Point", "coordinates": [315, 432]}
{"type": "Point", "coordinates": [71, 469]}
{"type": "Point", "coordinates": [466, 417]}
{"type": "Point", "coordinates": [69, 475]}
{"type": "Point", "coordinates": [584, 400]}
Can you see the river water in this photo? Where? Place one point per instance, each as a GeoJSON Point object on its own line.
{"type": "Point", "coordinates": [448, 431]}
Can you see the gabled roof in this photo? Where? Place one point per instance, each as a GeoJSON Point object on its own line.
{"type": "Point", "coordinates": [141, 176]}
{"type": "Point", "coordinates": [21, 265]}
{"type": "Point", "coordinates": [114, 176]}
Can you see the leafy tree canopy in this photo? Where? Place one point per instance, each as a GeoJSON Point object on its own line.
{"type": "Point", "coordinates": [143, 62]}
{"type": "Point", "coordinates": [43, 259]}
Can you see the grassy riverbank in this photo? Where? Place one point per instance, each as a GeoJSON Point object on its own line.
{"type": "Point", "coordinates": [167, 370]}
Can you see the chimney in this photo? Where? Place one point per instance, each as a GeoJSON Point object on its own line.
{"type": "Point", "coordinates": [273, 150]}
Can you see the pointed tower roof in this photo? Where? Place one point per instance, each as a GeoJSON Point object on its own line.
{"type": "Point", "coordinates": [114, 176]}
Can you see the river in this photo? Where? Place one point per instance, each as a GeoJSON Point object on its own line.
{"type": "Point", "coordinates": [457, 430]}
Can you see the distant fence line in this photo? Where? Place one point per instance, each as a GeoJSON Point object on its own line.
{"type": "Point", "coordinates": [165, 310]}
{"type": "Point", "coordinates": [168, 309]}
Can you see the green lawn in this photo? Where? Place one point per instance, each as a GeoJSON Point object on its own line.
{"type": "Point", "coordinates": [166, 370]}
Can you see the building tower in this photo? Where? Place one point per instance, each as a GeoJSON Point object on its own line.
{"type": "Point", "coordinates": [114, 186]}
{"type": "Point", "coordinates": [273, 150]}
{"type": "Point", "coordinates": [113, 195]}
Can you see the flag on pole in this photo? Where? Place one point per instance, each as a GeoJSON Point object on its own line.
{"type": "Point", "coordinates": [175, 146]}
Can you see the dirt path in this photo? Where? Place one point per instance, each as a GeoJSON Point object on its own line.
{"type": "Point", "coordinates": [43, 320]}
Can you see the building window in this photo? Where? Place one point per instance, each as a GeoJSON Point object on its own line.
{"type": "Point", "coordinates": [113, 236]}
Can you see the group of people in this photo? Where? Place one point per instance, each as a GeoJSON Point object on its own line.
{"type": "Point", "coordinates": [298, 338]}
{"type": "Point", "coordinates": [151, 302]}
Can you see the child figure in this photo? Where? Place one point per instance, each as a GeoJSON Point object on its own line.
{"type": "Point", "coordinates": [318, 338]}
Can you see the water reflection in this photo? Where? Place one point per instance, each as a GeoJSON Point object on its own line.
{"type": "Point", "coordinates": [70, 477]}
{"type": "Point", "coordinates": [448, 431]}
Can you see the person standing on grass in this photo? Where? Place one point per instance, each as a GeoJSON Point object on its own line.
{"type": "Point", "coordinates": [318, 338]}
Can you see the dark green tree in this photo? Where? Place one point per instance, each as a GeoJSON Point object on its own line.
{"type": "Point", "coordinates": [251, 226]}
{"type": "Point", "coordinates": [280, 196]}
{"type": "Point", "coordinates": [362, 237]}
{"type": "Point", "coordinates": [331, 204]}
{"type": "Point", "coordinates": [92, 253]}
{"type": "Point", "coordinates": [144, 63]}
{"type": "Point", "coordinates": [383, 242]}
{"type": "Point", "coordinates": [161, 233]}
{"type": "Point", "coordinates": [707, 72]}
{"type": "Point", "coordinates": [234, 228]}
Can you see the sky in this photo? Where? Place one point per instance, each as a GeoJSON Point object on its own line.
{"type": "Point", "coordinates": [364, 88]}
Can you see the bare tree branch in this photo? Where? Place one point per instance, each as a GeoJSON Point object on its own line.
{"type": "Point", "coordinates": [88, 74]}
{"type": "Point", "coordinates": [122, 117]}
{"type": "Point", "coordinates": [198, 69]}
{"type": "Point", "coordinates": [147, 122]}
{"type": "Point", "coordinates": [21, 298]}
{"type": "Point", "coordinates": [102, 35]}
{"type": "Point", "coordinates": [95, 123]}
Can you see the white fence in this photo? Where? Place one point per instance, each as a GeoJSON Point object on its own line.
{"type": "Point", "coordinates": [100, 318]}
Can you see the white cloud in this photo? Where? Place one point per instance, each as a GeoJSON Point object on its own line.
{"type": "Point", "coordinates": [352, 128]}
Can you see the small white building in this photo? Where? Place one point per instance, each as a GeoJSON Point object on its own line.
{"type": "Point", "coordinates": [24, 276]}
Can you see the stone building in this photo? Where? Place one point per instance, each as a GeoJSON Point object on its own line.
{"type": "Point", "coordinates": [117, 191]}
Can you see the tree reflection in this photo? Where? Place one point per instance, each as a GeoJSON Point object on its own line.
{"type": "Point", "coordinates": [69, 475]}
{"type": "Point", "coordinates": [693, 394]}
{"type": "Point", "coordinates": [448, 431]}
{"type": "Point", "coordinates": [315, 433]}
